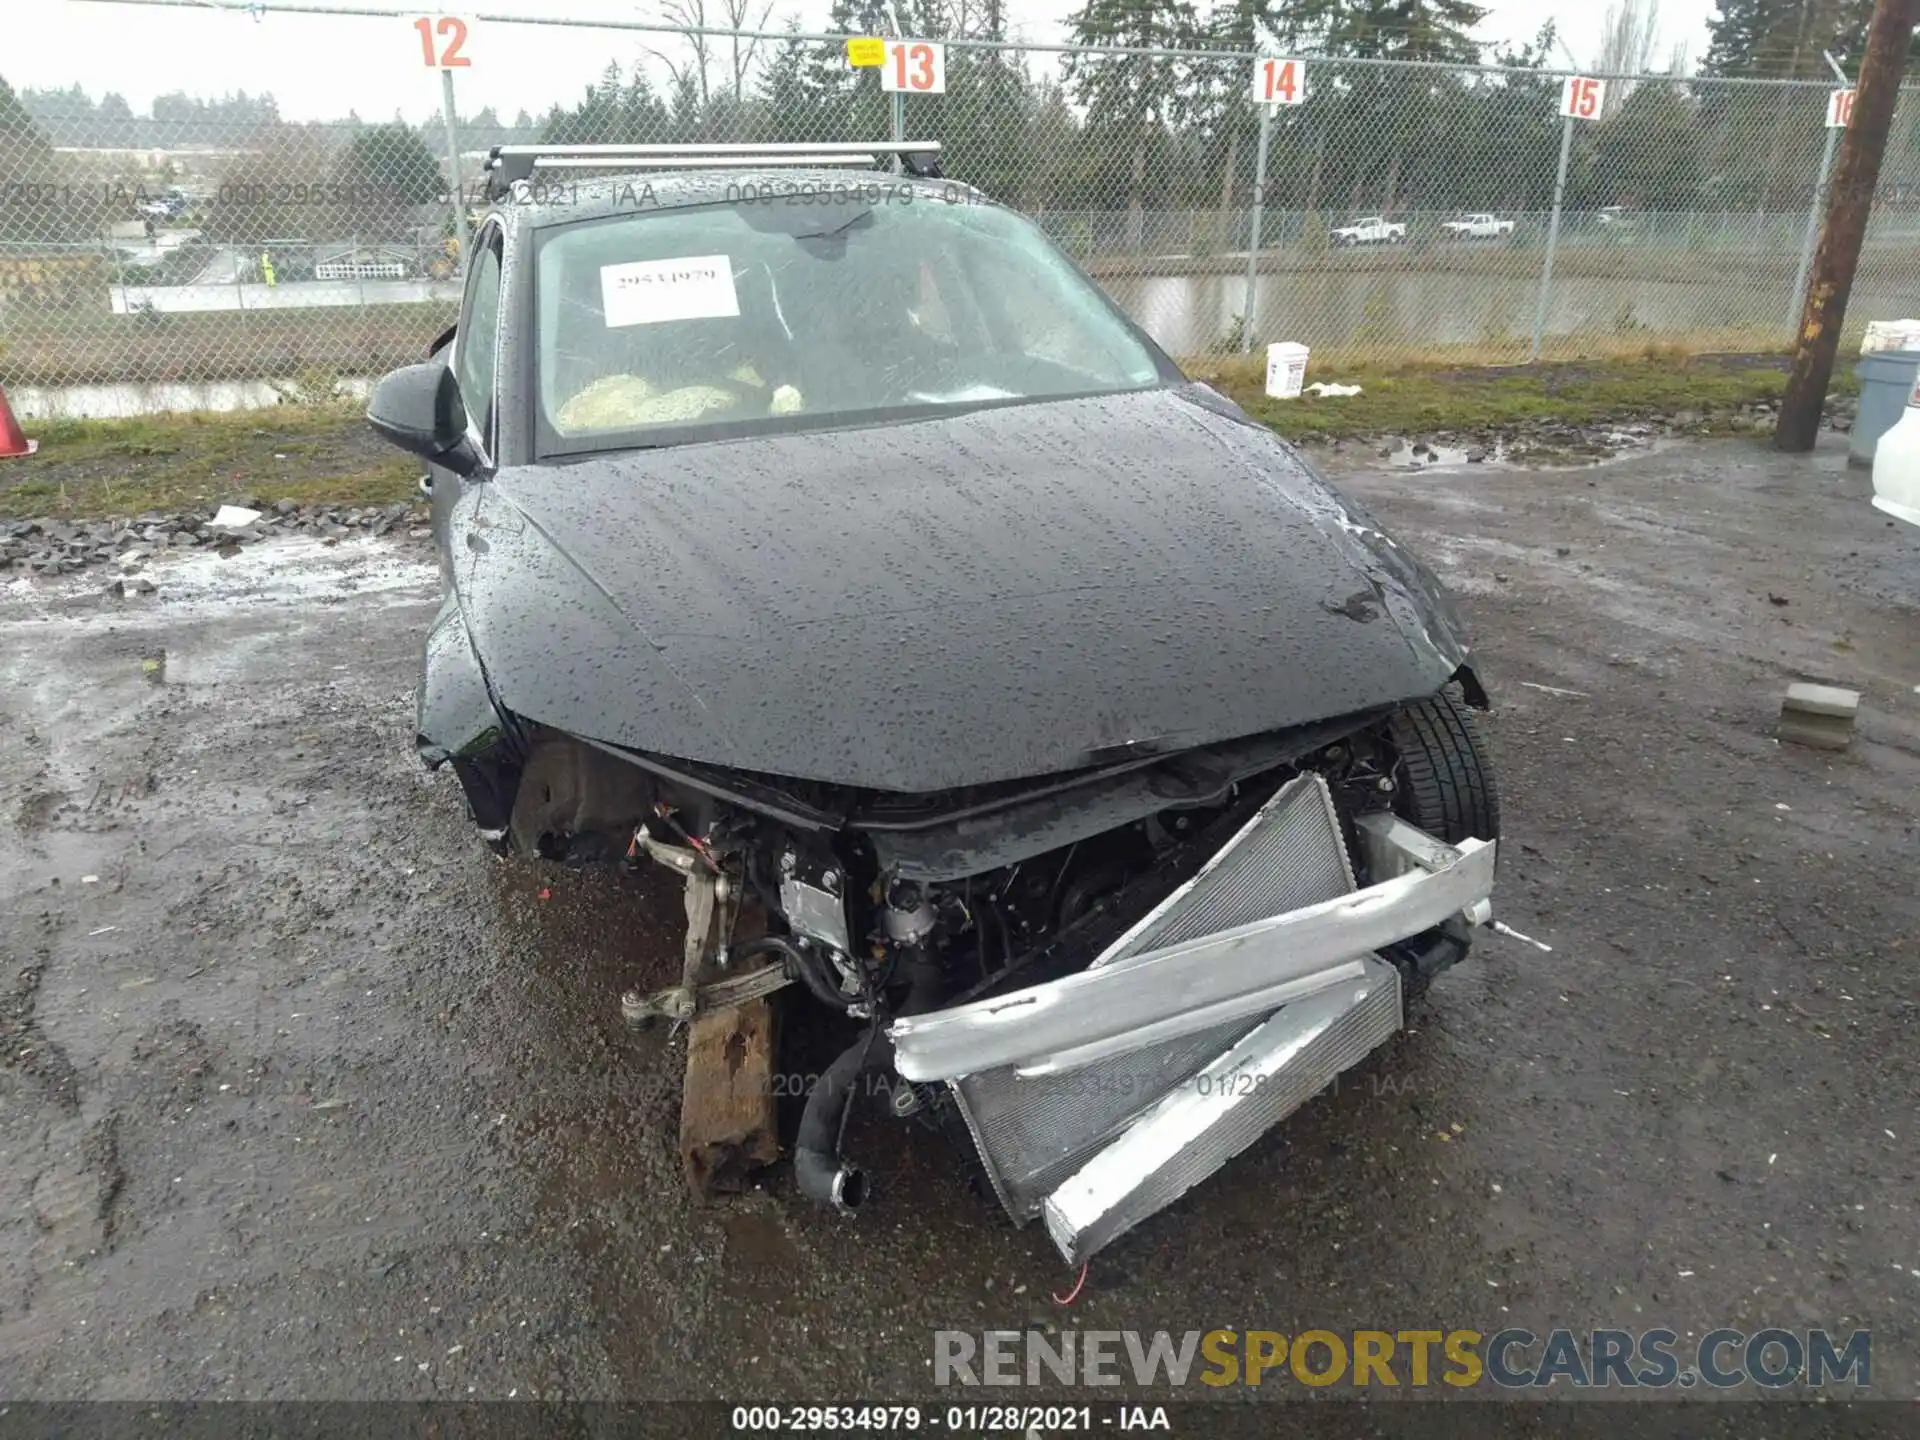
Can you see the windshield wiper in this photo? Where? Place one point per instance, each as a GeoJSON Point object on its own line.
{"type": "Point", "coordinates": [864, 217]}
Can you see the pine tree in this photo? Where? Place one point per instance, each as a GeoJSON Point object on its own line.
{"type": "Point", "coordinates": [1216, 103]}
{"type": "Point", "coordinates": [642, 119]}
{"type": "Point", "coordinates": [1129, 99]}
{"type": "Point", "coordinates": [26, 159]}
{"type": "Point", "coordinates": [982, 122]}
{"type": "Point", "coordinates": [849, 103]}
{"type": "Point", "coordinates": [21, 138]}
{"type": "Point", "coordinates": [392, 165]}
{"type": "Point", "coordinates": [593, 120]}
{"type": "Point", "coordinates": [1785, 38]}
{"type": "Point", "coordinates": [1648, 150]}
{"type": "Point", "coordinates": [1393, 29]}
{"type": "Point", "coordinates": [785, 97]}
{"type": "Point", "coordinates": [1386, 130]}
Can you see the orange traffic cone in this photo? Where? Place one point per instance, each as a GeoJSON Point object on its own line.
{"type": "Point", "coordinates": [12, 442]}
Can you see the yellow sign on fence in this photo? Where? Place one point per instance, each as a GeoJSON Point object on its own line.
{"type": "Point", "coordinates": [866, 52]}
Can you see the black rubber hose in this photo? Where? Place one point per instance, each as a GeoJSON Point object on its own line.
{"type": "Point", "coordinates": [801, 964]}
{"type": "Point", "coordinates": [817, 1166]}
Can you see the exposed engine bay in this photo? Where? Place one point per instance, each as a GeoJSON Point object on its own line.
{"type": "Point", "coordinates": [900, 911]}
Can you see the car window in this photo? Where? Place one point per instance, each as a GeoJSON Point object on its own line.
{"type": "Point", "coordinates": [775, 313]}
{"type": "Point", "coordinates": [477, 346]}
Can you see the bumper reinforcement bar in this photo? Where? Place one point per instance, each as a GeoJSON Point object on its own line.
{"type": "Point", "coordinates": [1181, 989]}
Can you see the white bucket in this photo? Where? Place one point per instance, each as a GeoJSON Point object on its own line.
{"type": "Point", "coordinates": [1890, 335]}
{"type": "Point", "coordinates": [1286, 370]}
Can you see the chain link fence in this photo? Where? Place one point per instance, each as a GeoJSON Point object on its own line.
{"type": "Point", "coordinates": [1398, 212]}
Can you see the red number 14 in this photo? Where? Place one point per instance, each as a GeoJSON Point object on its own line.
{"type": "Point", "coordinates": [1280, 80]}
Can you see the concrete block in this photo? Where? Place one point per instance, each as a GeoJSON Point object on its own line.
{"type": "Point", "coordinates": [1819, 716]}
{"type": "Point", "coordinates": [1817, 732]}
{"type": "Point", "coordinates": [1822, 700]}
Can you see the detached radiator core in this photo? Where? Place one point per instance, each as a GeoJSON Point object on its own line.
{"type": "Point", "coordinates": [1034, 1133]}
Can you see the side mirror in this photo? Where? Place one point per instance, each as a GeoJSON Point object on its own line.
{"type": "Point", "coordinates": [418, 408]}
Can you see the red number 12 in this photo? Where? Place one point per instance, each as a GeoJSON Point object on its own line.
{"type": "Point", "coordinates": [454, 29]}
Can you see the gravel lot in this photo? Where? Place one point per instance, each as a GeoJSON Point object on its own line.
{"type": "Point", "coordinates": [305, 1095]}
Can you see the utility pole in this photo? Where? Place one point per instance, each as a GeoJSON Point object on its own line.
{"type": "Point", "coordinates": [899, 99]}
{"type": "Point", "coordinates": [1848, 208]}
{"type": "Point", "coordinates": [447, 113]}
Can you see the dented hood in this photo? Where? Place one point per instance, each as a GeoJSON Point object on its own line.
{"type": "Point", "coordinates": [1004, 593]}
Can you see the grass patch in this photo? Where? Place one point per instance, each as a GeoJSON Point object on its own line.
{"type": "Point", "coordinates": [82, 346]}
{"type": "Point", "coordinates": [1407, 400]}
{"type": "Point", "coordinates": [310, 455]}
{"type": "Point", "coordinates": [326, 454]}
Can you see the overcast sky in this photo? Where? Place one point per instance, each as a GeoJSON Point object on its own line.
{"type": "Point", "coordinates": [319, 66]}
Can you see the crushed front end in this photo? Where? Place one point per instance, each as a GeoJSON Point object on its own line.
{"type": "Point", "coordinates": [1099, 1098]}
{"type": "Point", "coordinates": [1103, 985]}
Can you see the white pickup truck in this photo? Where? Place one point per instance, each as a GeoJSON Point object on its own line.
{"type": "Point", "coordinates": [1374, 230]}
{"type": "Point", "coordinates": [1478, 227]}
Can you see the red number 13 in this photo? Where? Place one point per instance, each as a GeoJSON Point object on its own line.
{"type": "Point", "coordinates": [922, 78]}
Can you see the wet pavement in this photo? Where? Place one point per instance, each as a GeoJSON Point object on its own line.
{"type": "Point", "coordinates": [306, 1095]}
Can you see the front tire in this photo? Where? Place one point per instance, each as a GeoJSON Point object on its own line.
{"type": "Point", "coordinates": [1446, 788]}
{"type": "Point", "coordinates": [1446, 781]}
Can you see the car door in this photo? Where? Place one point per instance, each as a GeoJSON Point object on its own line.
{"type": "Point", "coordinates": [474, 355]}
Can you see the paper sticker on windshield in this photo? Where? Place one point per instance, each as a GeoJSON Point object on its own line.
{"type": "Point", "coordinates": [646, 292]}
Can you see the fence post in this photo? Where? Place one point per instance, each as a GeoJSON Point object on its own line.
{"type": "Point", "coordinates": [1553, 235]}
{"type": "Point", "coordinates": [453, 169]}
{"type": "Point", "coordinates": [899, 99]}
{"type": "Point", "coordinates": [1253, 229]}
{"type": "Point", "coordinates": [1807, 242]}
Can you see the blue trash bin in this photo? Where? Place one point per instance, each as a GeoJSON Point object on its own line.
{"type": "Point", "coordinates": [1886, 383]}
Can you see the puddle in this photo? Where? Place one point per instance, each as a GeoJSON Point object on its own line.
{"type": "Point", "coordinates": [1591, 449]}
{"type": "Point", "coordinates": [299, 571]}
{"type": "Point", "coordinates": [1422, 455]}
{"type": "Point", "coordinates": [298, 568]}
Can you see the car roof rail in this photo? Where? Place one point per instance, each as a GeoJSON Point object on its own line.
{"type": "Point", "coordinates": [511, 163]}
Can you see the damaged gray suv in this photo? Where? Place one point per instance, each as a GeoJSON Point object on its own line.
{"type": "Point", "coordinates": [1040, 724]}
